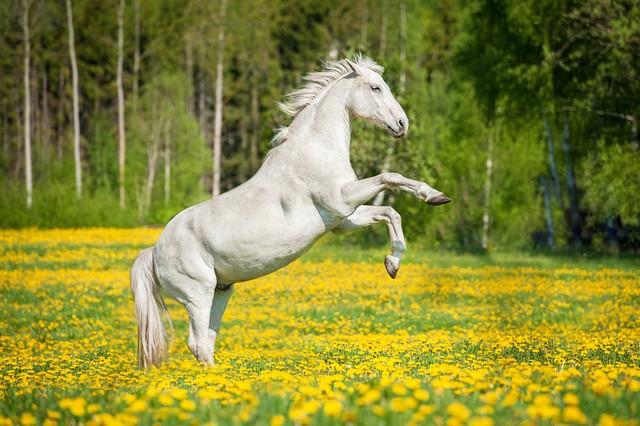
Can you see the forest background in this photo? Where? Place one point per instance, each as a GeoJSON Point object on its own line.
{"type": "Point", "coordinates": [525, 112]}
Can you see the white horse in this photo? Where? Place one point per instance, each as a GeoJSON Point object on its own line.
{"type": "Point", "coordinates": [305, 188]}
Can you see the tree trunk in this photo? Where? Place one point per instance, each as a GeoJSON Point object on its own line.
{"type": "Point", "coordinates": [217, 124]}
{"type": "Point", "coordinates": [388, 157]}
{"type": "Point", "coordinates": [383, 30]}
{"type": "Point", "coordinates": [544, 187]}
{"type": "Point", "coordinates": [121, 131]}
{"type": "Point", "coordinates": [574, 210]}
{"type": "Point", "coordinates": [27, 103]}
{"type": "Point", "coordinates": [45, 125]}
{"type": "Point", "coordinates": [5, 131]}
{"type": "Point", "coordinates": [202, 104]}
{"type": "Point", "coordinates": [403, 45]}
{"type": "Point", "coordinates": [136, 54]}
{"type": "Point", "coordinates": [60, 117]}
{"type": "Point", "coordinates": [635, 141]}
{"type": "Point", "coordinates": [486, 214]}
{"type": "Point", "coordinates": [364, 26]}
{"type": "Point", "coordinates": [255, 125]}
{"type": "Point", "coordinates": [189, 63]}
{"type": "Point", "coordinates": [552, 160]}
{"type": "Point", "coordinates": [76, 107]}
{"type": "Point", "coordinates": [152, 161]}
{"type": "Point", "coordinates": [167, 164]}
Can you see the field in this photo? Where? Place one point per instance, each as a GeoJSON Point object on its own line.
{"type": "Point", "coordinates": [331, 339]}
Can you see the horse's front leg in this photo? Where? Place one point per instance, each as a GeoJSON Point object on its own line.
{"type": "Point", "coordinates": [359, 192]}
{"type": "Point", "coordinates": [368, 215]}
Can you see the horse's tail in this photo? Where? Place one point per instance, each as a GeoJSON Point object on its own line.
{"type": "Point", "coordinates": [152, 335]}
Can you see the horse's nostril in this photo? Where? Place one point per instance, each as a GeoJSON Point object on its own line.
{"type": "Point", "coordinates": [401, 123]}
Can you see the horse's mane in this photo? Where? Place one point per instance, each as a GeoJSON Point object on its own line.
{"type": "Point", "coordinates": [299, 99]}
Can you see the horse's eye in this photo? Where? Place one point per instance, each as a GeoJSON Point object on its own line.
{"type": "Point", "coordinates": [375, 88]}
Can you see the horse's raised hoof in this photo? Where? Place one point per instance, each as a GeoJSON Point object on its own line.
{"type": "Point", "coordinates": [439, 199]}
{"type": "Point", "coordinates": [392, 266]}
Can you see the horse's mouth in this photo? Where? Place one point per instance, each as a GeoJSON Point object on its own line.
{"type": "Point", "coordinates": [394, 133]}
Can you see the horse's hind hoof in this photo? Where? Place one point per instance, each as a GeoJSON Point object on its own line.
{"type": "Point", "coordinates": [438, 199]}
{"type": "Point", "coordinates": [391, 266]}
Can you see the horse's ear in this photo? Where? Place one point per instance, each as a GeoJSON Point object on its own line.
{"type": "Point", "coordinates": [354, 67]}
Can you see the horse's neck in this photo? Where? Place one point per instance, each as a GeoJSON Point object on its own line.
{"type": "Point", "coordinates": [327, 122]}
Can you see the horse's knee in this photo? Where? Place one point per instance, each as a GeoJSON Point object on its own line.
{"type": "Point", "coordinates": [392, 214]}
{"type": "Point", "coordinates": [391, 178]}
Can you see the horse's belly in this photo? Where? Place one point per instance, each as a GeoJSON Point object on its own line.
{"type": "Point", "coordinates": [262, 244]}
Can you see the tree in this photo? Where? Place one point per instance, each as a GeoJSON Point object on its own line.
{"type": "Point", "coordinates": [76, 108]}
{"type": "Point", "coordinates": [27, 103]}
{"type": "Point", "coordinates": [122, 143]}
{"type": "Point", "coordinates": [217, 123]}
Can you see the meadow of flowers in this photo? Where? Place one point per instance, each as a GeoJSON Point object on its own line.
{"type": "Point", "coordinates": [320, 342]}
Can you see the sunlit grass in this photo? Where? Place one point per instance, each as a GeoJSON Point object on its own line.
{"type": "Point", "coordinates": [330, 339]}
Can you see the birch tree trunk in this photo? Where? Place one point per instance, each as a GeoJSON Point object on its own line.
{"type": "Point", "coordinates": [136, 54]}
{"type": "Point", "coordinates": [5, 130]}
{"type": "Point", "coordinates": [76, 106]}
{"type": "Point", "coordinates": [383, 30]}
{"type": "Point", "coordinates": [167, 164]}
{"type": "Point", "coordinates": [364, 26]}
{"type": "Point", "coordinates": [152, 161]}
{"type": "Point", "coordinates": [202, 90]}
{"type": "Point", "coordinates": [60, 117]}
{"type": "Point", "coordinates": [217, 124]}
{"type": "Point", "coordinates": [552, 159]}
{"type": "Point", "coordinates": [486, 214]}
{"type": "Point", "coordinates": [45, 120]}
{"type": "Point", "coordinates": [574, 210]}
{"type": "Point", "coordinates": [388, 157]}
{"type": "Point", "coordinates": [27, 103]}
{"type": "Point", "coordinates": [255, 123]}
{"type": "Point", "coordinates": [189, 64]}
{"type": "Point", "coordinates": [121, 131]}
{"type": "Point", "coordinates": [548, 212]}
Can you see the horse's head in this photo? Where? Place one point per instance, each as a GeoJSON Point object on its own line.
{"type": "Point", "coordinates": [372, 100]}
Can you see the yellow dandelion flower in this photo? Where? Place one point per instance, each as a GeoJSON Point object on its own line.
{"type": "Point", "coordinates": [165, 400]}
{"type": "Point", "coordinates": [369, 397]}
{"type": "Point", "coordinates": [573, 414]}
{"type": "Point", "coordinates": [412, 383]}
{"type": "Point", "coordinates": [571, 399]}
{"type": "Point", "coordinates": [93, 408]}
{"type": "Point", "coordinates": [459, 411]}
{"type": "Point", "coordinates": [28, 419]}
{"type": "Point", "coordinates": [332, 408]}
{"type": "Point", "coordinates": [75, 405]}
{"type": "Point", "coordinates": [277, 420]}
{"type": "Point", "coordinates": [607, 420]}
{"type": "Point", "coordinates": [188, 405]}
{"type": "Point", "coordinates": [178, 393]}
{"type": "Point", "coordinates": [481, 421]}
{"type": "Point", "coordinates": [421, 395]}
{"type": "Point", "coordinates": [399, 389]}
{"type": "Point", "coordinates": [378, 410]}
{"type": "Point", "coordinates": [138, 406]}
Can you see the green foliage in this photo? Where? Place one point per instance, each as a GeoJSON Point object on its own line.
{"type": "Point", "coordinates": [610, 173]}
{"type": "Point", "coordinates": [543, 80]}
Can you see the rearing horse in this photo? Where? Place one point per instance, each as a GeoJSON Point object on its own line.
{"type": "Point", "coordinates": [305, 188]}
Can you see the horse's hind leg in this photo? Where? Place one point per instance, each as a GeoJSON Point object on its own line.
{"type": "Point", "coordinates": [200, 342]}
{"type": "Point", "coordinates": [219, 305]}
{"type": "Point", "coordinates": [196, 292]}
